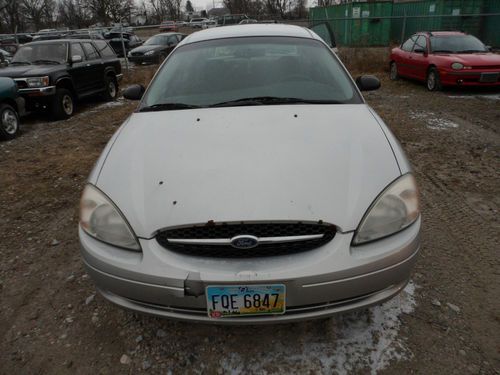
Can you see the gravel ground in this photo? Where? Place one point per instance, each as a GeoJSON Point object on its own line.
{"type": "Point", "coordinates": [446, 320]}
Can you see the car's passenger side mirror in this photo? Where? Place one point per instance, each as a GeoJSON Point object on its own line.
{"type": "Point", "coordinates": [76, 59]}
{"type": "Point", "coordinates": [488, 48]}
{"type": "Point", "coordinates": [368, 83]}
{"type": "Point", "coordinates": [134, 92]}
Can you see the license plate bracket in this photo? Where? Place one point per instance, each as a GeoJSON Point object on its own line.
{"type": "Point", "coordinates": [489, 77]}
{"type": "Point", "coordinates": [225, 301]}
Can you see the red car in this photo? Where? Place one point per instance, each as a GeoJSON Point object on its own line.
{"type": "Point", "coordinates": [446, 58]}
{"type": "Point", "coordinates": [168, 26]}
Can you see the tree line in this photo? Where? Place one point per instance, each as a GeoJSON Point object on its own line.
{"type": "Point", "coordinates": [33, 15]}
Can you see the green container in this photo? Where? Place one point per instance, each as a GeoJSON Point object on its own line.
{"type": "Point", "coordinates": [490, 32]}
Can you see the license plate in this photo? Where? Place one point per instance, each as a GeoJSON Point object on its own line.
{"type": "Point", "coordinates": [243, 300]}
{"type": "Point", "coordinates": [489, 77]}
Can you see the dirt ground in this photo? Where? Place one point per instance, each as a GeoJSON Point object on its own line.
{"type": "Point", "coordinates": [445, 322]}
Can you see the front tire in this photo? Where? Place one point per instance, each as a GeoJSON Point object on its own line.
{"type": "Point", "coordinates": [433, 81]}
{"type": "Point", "coordinates": [63, 104]}
{"type": "Point", "coordinates": [9, 122]}
{"type": "Point", "coordinates": [111, 92]}
{"type": "Point", "coordinates": [394, 75]}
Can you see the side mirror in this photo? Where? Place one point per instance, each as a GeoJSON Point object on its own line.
{"type": "Point", "coordinates": [134, 92]}
{"type": "Point", "coordinates": [419, 50]}
{"type": "Point", "coordinates": [368, 83]}
{"type": "Point", "coordinates": [76, 59]}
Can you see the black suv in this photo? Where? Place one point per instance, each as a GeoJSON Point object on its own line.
{"type": "Point", "coordinates": [53, 74]}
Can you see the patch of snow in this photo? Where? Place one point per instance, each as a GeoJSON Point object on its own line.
{"type": "Point", "coordinates": [366, 341]}
{"type": "Point", "coordinates": [485, 96]}
{"type": "Point", "coordinates": [433, 122]}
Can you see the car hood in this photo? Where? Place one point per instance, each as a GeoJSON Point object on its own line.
{"type": "Point", "coordinates": [291, 162]}
{"type": "Point", "coordinates": [482, 59]}
{"type": "Point", "coordinates": [151, 47]}
{"type": "Point", "coordinates": [29, 70]}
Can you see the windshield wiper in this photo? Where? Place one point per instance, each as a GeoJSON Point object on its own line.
{"type": "Point", "coordinates": [20, 62]}
{"type": "Point", "coordinates": [41, 61]}
{"type": "Point", "coordinates": [266, 100]}
{"type": "Point", "coordinates": [168, 107]}
{"type": "Point", "coordinates": [470, 51]}
{"type": "Point", "coordinates": [442, 51]}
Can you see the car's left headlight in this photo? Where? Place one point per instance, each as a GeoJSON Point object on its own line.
{"type": "Point", "coordinates": [35, 82]}
{"type": "Point", "coordinates": [395, 208]}
{"type": "Point", "coordinates": [149, 53]}
{"type": "Point", "coordinates": [101, 219]}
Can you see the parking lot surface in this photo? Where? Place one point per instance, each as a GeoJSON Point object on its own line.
{"type": "Point", "coordinates": [446, 320]}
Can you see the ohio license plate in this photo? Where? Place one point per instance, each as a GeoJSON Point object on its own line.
{"type": "Point", "coordinates": [489, 77]}
{"type": "Point", "coordinates": [243, 300]}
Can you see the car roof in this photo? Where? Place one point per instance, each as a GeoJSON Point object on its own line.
{"type": "Point", "coordinates": [236, 31]}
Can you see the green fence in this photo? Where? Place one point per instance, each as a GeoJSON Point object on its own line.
{"type": "Point", "coordinates": [382, 23]}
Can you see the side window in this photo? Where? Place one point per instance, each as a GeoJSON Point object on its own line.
{"type": "Point", "coordinates": [408, 45]}
{"type": "Point", "coordinates": [90, 51]}
{"type": "Point", "coordinates": [172, 40]}
{"type": "Point", "coordinates": [421, 43]}
{"type": "Point", "coordinates": [76, 49]}
{"type": "Point", "coordinates": [104, 49]}
{"type": "Point", "coordinates": [324, 32]}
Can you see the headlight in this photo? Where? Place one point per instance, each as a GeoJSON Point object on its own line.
{"type": "Point", "coordinates": [149, 53]}
{"type": "Point", "coordinates": [101, 219]}
{"type": "Point", "coordinates": [457, 66]}
{"type": "Point", "coordinates": [37, 81]}
{"type": "Point", "coordinates": [393, 210]}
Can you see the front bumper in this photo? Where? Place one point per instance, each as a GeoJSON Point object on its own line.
{"type": "Point", "coordinates": [467, 77]}
{"type": "Point", "coordinates": [41, 91]}
{"type": "Point", "coordinates": [151, 59]}
{"type": "Point", "coordinates": [328, 280]}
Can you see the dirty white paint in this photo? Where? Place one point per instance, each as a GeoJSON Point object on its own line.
{"type": "Point", "coordinates": [366, 341]}
{"type": "Point", "coordinates": [433, 121]}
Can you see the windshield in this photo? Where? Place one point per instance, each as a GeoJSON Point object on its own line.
{"type": "Point", "coordinates": [157, 40]}
{"type": "Point", "coordinates": [456, 44]}
{"type": "Point", "coordinates": [45, 52]}
{"type": "Point", "coordinates": [227, 70]}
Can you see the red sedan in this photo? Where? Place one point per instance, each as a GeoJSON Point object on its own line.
{"type": "Point", "coordinates": [446, 58]}
{"type": "Point", "coordinates": [168, 26]}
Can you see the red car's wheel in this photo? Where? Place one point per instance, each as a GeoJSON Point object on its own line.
{"type": "Point", "coordinates": [433, 81]}
{"type": "Point", "coordinates": [394, 71]}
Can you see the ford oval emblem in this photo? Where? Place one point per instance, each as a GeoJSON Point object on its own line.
{"type": "Point", "coordinates": [244, 242]}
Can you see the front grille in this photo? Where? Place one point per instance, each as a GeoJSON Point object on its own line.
{"type": "Point", "coordinates": [278, 238]}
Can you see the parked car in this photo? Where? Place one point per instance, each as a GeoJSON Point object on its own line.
{"type": "Point", "coordinates": [6, 56]}
{"type": "Point", "coordinates": [54, 74]}
{"type": "Point", "coordinates": [156, 48]}
{"type": "Point", "coordinates": [231, 19]}
{"type": "Point", "coordinates": [168, 26]}
{"type": "Point", "coordinates": [253, 184]}
{"type": "Point", "coordinates": [130, 41]}
{"type": "Point", "coordinates": [10, 48]}
{"type": "Point", "coordinates": [11, 105]}
{"type": "Point", "coordinates": [196, 23]}
{"type": "Point", "coordinates": [445, 58]}
{"type": "Point", "coordinates": [208, 24]}
{"type": "Point", "coordinates": [248, 21]}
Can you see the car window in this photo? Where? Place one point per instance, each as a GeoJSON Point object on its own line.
{"type": "Point", "coordinates": [104, 49]}
{"type": "Point", "coordinates": [76, 49]}
{"type": "Point", "coordinates": [456, 44]}
{"type": "Point", "coordinates": [408, 45]}
{"type": "Point", "coordinates": [216, 71]}
{"type": "Point", "coordinates": [90, 51]}
{"type": "Point", "coordinates": [324, 33]}
{"type": "Point", "coordinates": [172, 39]}
{"type": "Point", "coordinates": [421, 43]}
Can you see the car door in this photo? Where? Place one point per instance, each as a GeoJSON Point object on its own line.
{"type": "Point", "coordinates": [78, 69]}
{"type": "Point", "coordinates": [404, 62]}
{"type": "Point", "coordinates": [419, 58]}
{"type": "Point", "coordinates": [95, 67]}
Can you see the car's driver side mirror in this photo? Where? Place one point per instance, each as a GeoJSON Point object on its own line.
{"type": "Point", "coordinates": [134, 92]}
{"type": "Point", "coordinates": [76, 59]}
{"type": "Point", "coordinates": [368, 83]}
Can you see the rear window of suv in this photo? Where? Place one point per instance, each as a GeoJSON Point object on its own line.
{"type": "Point", "coordinates": [104, 48]}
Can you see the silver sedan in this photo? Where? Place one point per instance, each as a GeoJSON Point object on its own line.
{"type": "Point", "coordinates": [252, 184]}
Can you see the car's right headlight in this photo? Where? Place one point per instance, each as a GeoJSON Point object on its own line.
{"type": "Point", "coordinates": [395, 208]}
{"type": "Point", "coordinates": [457, 66]}
{"type": "Point", "coordinates": [101, 219]}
